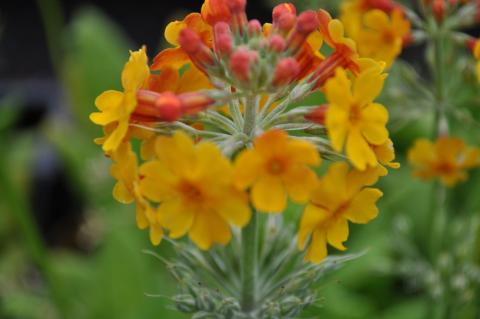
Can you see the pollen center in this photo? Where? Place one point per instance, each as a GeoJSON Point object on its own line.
{"type": "Point", "coordinates": [355, 114]}
{"type": "Point", "coordinates": [276, 167]}
{"type": "Point", "coordinates": [190, 191]}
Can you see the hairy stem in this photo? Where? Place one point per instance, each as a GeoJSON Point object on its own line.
{"type": "Point", "coordinates": [250, 116]}
{"type": "Point", "coordinates": [249, 265]}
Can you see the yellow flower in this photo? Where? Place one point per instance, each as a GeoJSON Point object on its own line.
{"type": "Point", "coordinates": [382, 35]}
{"type": "Point", "coordinates": [274, 167]}
{"type": "Point", "coordinates": [476, 53]}
{"type": "Point", "coordinates": [352, 117]}
{"type": "Point", "coordinates": [116, 107]}
{"type": "Point", "coordinates": [339, 197]}
{"type": "Point", "coordinates": [126, 191]}
{"type": "Point", "coordinates": [448, 159]}
{"type": "Point", "coordinates": [194, 186]}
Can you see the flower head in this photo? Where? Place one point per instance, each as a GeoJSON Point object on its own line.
{"type": "Point", "coordinates": [275, 167]}
{"type": "Point", "coordinates": [448, 159]}
{"type": "Point", "coordinates": [353, 119]}
{"type": "Point", "coordinates": [339, 197]}
{"type": "Point", "coordinates": [193, 185]}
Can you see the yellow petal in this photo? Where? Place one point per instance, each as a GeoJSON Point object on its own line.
{"type": "Point", "coordinates": [193, 80]}
{"type": "Point", "coordinates": [359, 152]}
{"type": "Point", "coordinates": [176, 218]}
{"type": "Point", "coordinates": [234, 208]}
{"type": "Point", "coordinates": [156, 234]}
{"type": "Point", "coordinates": [208, 228]}
{"type": "Point", "coordinates": [362, 209]}
{"type": "Point", "coordinates": [141, 218]}
{"type": "Point", "coordinates": [338, 89]}
{"type": "Point", "coordinates": [108, 100]}
{"type": "Point", "coordinates": [368, 85]}
{"type": "Point", "coordinates": [136, 70]}
{"type": "Point", "coordinates": [312, 218]}
{"type": "Point", "coordinates": [117, 136]}
{"type": "Point", "coordinates": [337, 233]}
{"type": "Point", "coordinates": [247, 168]}
{"type": "Point", "coordinates": [122, 194]}
{"type": "Point", "coordinates": [269, 195]}
{"type": "Point", "coordinates": [158, 181]}
{"type": "Point", "coordinates": [300, 182]}
{"type": "Point", "coordinates": [301, 151]}
{"type": "Point", "coordinates": [337, 125]}
{"type": "Point", "coordinates": [317, 251]}
{"type": "Point", "coordinates": [375, 117]}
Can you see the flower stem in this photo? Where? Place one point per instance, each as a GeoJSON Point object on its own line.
{"type": "Point", "coordinates": [249, 265]}
{"type": "Point", "coordinates": [250, 116]}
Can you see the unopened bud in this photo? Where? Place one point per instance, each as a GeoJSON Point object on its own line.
{"type": "Point", "coordinates": [438, 9]}
{"type": "Point", "coordinates": [281, 9]}
{"type": "Point", "coordinates": [254, 28]}
{"type": "Point", "coordinates": [277, 44]}
{"type": "Point", "coordinates": [223, 41]}
{"type": "Point", "coordinates": [286, 22]}
{"type": "Point", "coordinates": [198, 52]}
{"type": "Point", "coordinates": [239, 17]}
{"type": "Point", "coordinates": [307, 22]}
{"type": "Point", "coordinates": [241, 62]}
{"type": "Point", "coordinates": [286, 71]}
{"type": "Point", "coordinates": [318, 115]}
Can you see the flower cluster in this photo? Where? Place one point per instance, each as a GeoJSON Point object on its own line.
{"type": "Point", "coordinates": [219, 139]}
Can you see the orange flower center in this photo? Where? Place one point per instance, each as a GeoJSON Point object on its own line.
{"type": "Point", "coordinates": [388, 36]}
{"type": "Point", "coordinates": [276, 166]}
{"type": "Point", "coordinates": [190, 191]}
{"type": "Point", "coordinates": [355, 114]}
{"type": "Point", "coordinates": [446, 167]}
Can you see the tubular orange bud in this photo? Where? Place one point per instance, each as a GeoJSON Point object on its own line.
{"type": "Point", "coordinates": [237, 6]}
{"type": "Point", "coordinates": [326, 68]}
{"type": "Point", "coordinates": [318, 115]}
{"type": "Point", "coordinates": [281, 9]}
{"type": "Point", "coordinates": [214, 11]}
{"type": "Point", "coordinates": [438, 9]}
{"type": "Point", "coordinates": [240, 63]}
{"type": "Point", "coordinates": [286, 71]}
{"type": "Point", "coordinates": [194, 102]}
{"type": "Point", "coordinates": [277, 44]}
{"type": "Point", "coordinates": [198, 52]}
{"type": "Point", "coordinates": [254, 27]}
{"type": "Point", "coordinates": [156, 107]}
{"type": "Point", "coordinates": [223, 41]}
{"type": "Point", "coordinates": [307, 22]}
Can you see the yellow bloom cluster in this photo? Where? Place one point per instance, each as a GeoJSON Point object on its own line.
{"type": "Point", "coordinates": [380, 28]}
{"type": "Point", "coordinates": [448, 159]}
{"type": "Point", "coordinates": [213, 148]}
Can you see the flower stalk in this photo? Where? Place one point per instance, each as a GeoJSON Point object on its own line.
{"type": "Point", "coordinates": [249, 267]}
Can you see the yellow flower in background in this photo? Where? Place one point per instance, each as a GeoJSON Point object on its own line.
{"type": "Point", "coordinates": [447, 159]}
{"type": "Point", "coordinates": [275, 167]}
{"type": "Point", "coordinates": [353, 119]}
{"type": "Point", "coordinates": [193, 185]}
{"type": "Point", "coordinates": [126, 191]}
{"type": "Point", "coordinates": [339, 197]}
{"type": "Point", "coordinates": [116, 107]}
{"type": "Point", "coordinates": [476, 53]}
{"type": "Point", "coordinates": [381, 36]}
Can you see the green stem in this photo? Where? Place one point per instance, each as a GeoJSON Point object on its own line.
{"type": "Point", "coordinates": [439, 214]}
{"type": "Point", "coordinates": [21, 214]}
{"type": "Point", "coordinates": [249, 265]}
{"type": "Point", "coordinates": [250, 116]}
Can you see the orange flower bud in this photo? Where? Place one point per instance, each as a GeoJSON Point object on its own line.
{"type": "Point", "coordinates": [286, 71]}
{"type": "Point", "coordinates": [214, 11]}
{"type": "Point", "coordinates": [239, 19]}
{"type": "Point", "coordinates": [318, 115]}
